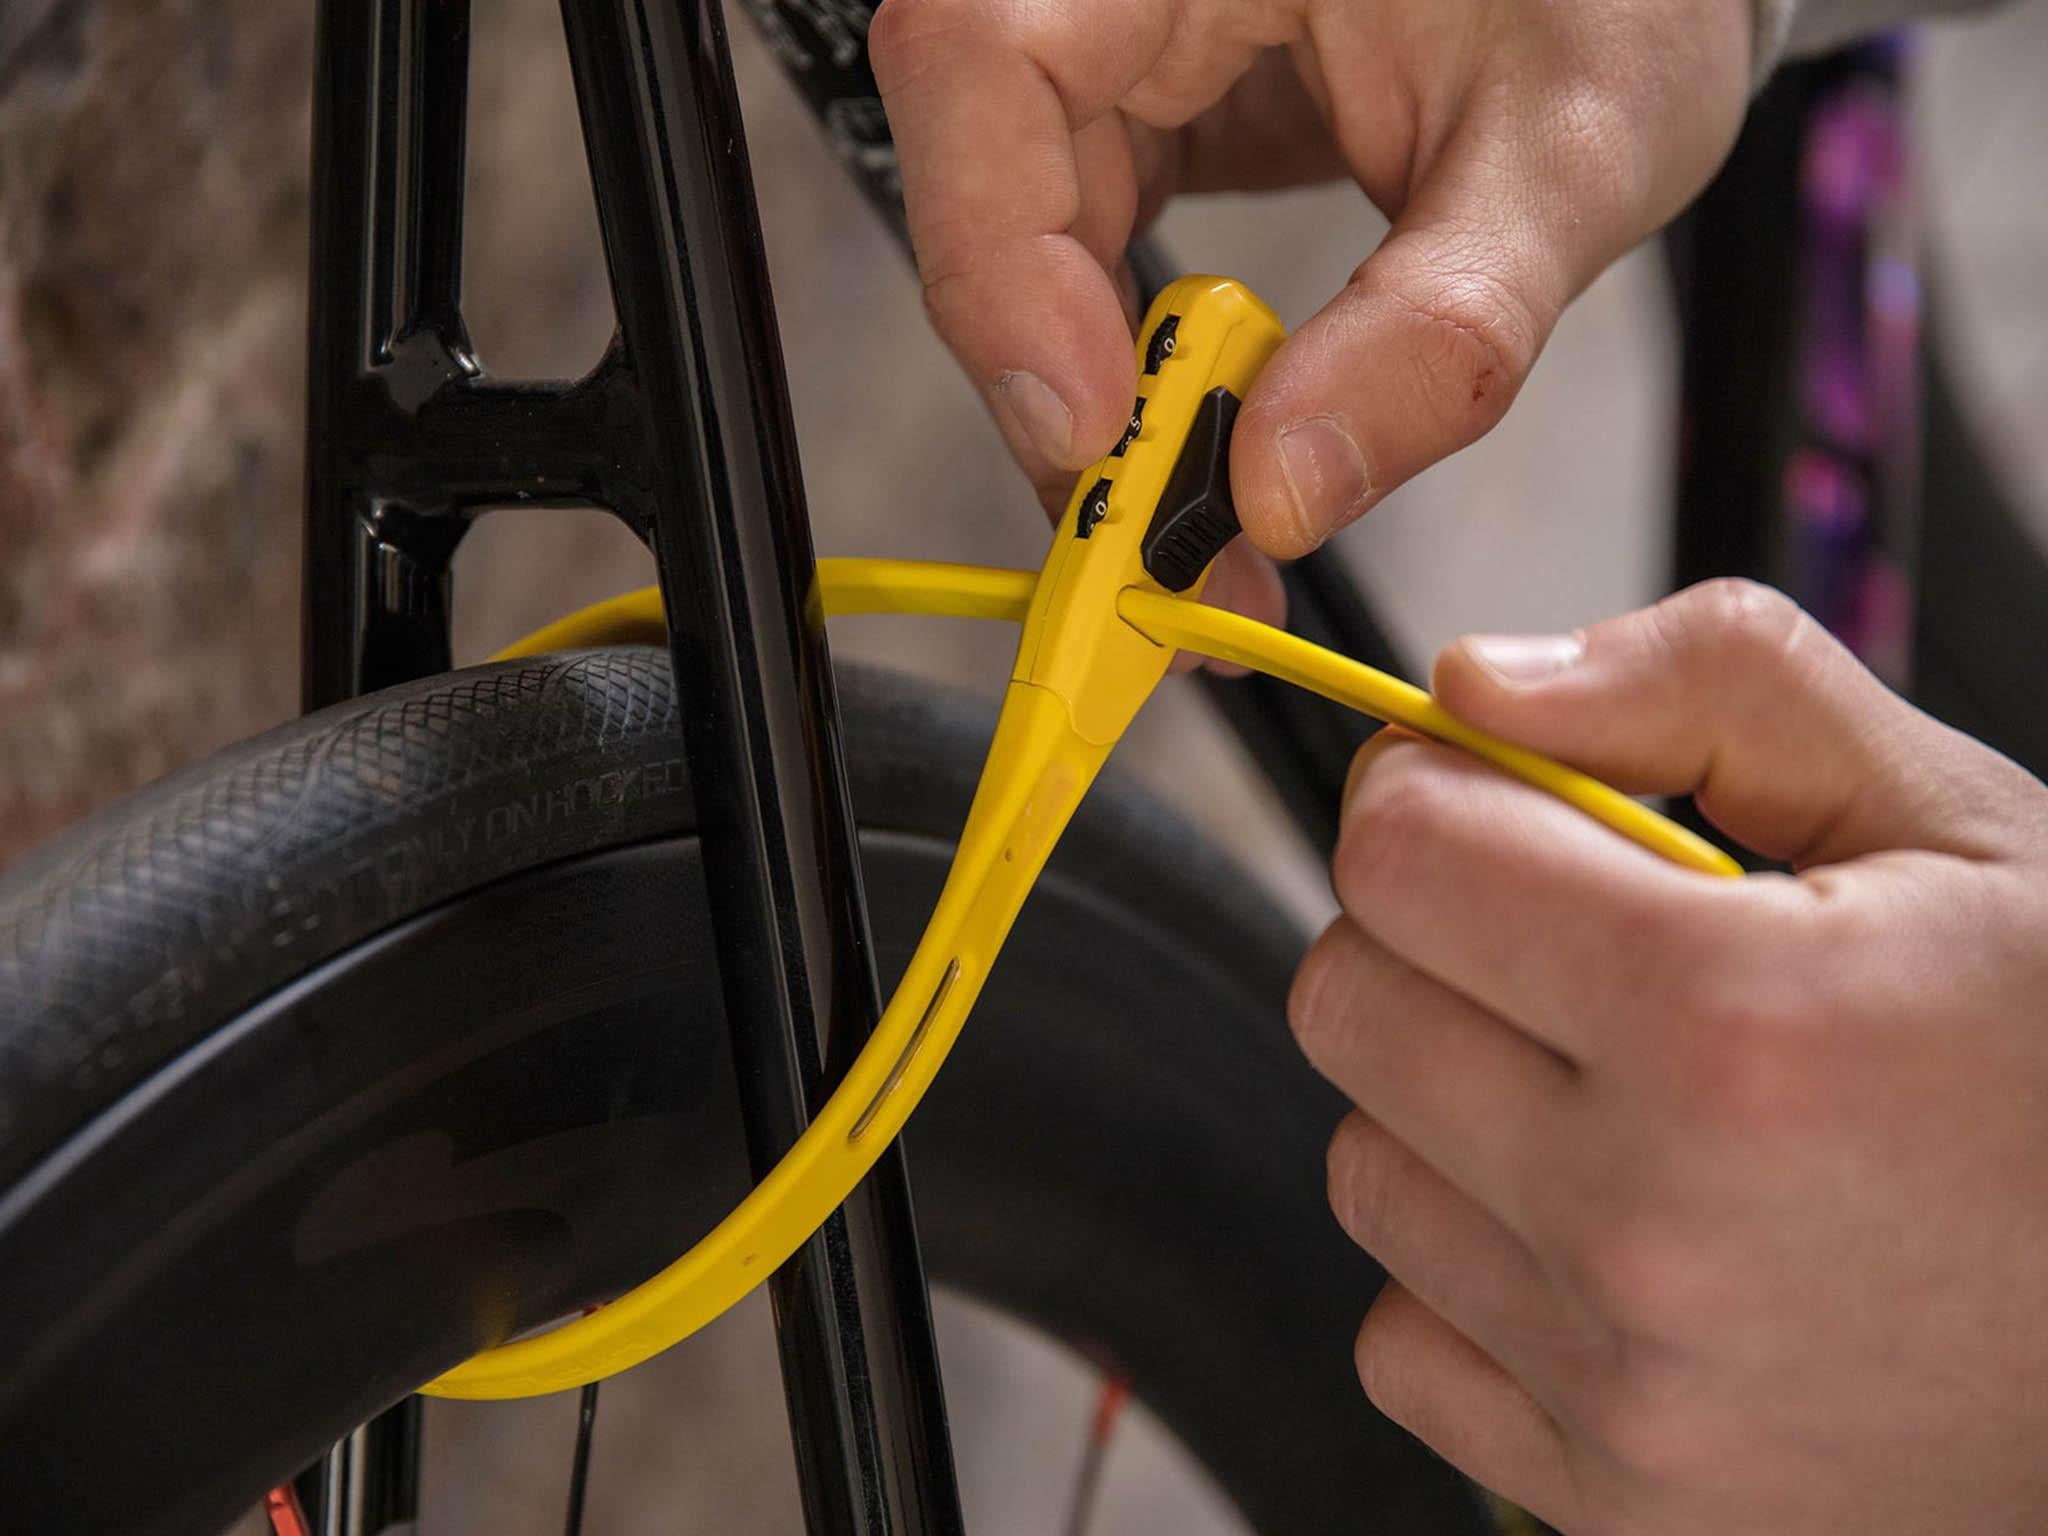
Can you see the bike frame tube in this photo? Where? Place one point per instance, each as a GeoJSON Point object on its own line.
{"type": "Point", "coordinates": [732, 536]}
{"type": "Point", "coordinates": [683, 430]}
{"type": "Point", "coordinates": [383, 337]}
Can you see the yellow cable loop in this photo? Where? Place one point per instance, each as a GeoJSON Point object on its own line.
{"type": "Point", "coordinates": [1174, 621]}
{"type": "Point", "coordinates": [1098, 634]}
{"type": "Point", "coordinates": [1037, 771]}
{"type": "Point", "coordinates": [847, 586]}
{"type": "Point", "coordinates": [844, 587]}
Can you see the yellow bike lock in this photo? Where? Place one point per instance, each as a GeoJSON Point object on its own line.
{"type": "Point", "coordinates": [1102, 618]}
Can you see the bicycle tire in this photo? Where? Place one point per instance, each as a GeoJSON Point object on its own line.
{"type": "Point", "coordinates": [306, 1092]}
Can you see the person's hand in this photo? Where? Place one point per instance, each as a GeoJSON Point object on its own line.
{"type": "Point", "coordinates": [1709, 1206]}
{"type": "Point", "coordinates": [1517, 145]}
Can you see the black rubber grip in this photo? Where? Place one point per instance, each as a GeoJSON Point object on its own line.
{"type": "Point", "coordinates": [1195, 517]}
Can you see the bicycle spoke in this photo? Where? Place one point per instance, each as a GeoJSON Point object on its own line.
{"type": "Point", "coordinates": [1109, 1406]}
{"type": "Point", "coordinates": [579, 1468]}
{"type": "Point", "coordinates": [341, 1500]}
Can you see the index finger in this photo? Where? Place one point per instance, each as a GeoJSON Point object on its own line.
{"type": "Point", "coordinates": [985, 98]}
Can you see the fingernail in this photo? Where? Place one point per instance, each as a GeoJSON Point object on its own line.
{"type": "Point", "coordinates": [1518, 660]}
{"type": "Point", "coordinates": [1325, 475]}
{"type": "Point", "coordinates": [1041, 413]}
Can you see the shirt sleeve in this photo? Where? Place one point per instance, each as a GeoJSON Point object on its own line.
{"type": "Point", "coordinates": [1788, 28]}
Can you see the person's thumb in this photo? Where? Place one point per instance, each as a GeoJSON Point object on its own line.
{"type": "Point", "coordinates": [1730, 693]}
{"type": "Point", "coordinates": [1419, 355]}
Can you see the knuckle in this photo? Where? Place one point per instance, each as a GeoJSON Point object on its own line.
{"type": "Point", "coordinates": [951, 258]}
{"type": "Point", "coordinates": [1596, 169]}
{"type": "Point", "coordinates": [1357, 1182]}
{"type": "Point", "coordinates": [1479, 345]}
{"type": "Point", "coordinates": [1309, 1012]}
{"type": "Point", "coordinates": [906, 35]}
{"type": "Point", "coordinates": [941, 268]}
{"type": "Point", "coordinates": [1638, 1420]}
{"type": "Point", "coordinates": [1400, 804]}
{"type": "Point", "coordinates": [1641, 1277]}
{"type": "Point", "coordinates": [1732, 620]}
{"type": "Point", "coordinates": [1747, 1081]}
{"type": "Point", "coordinates": [1380, 1371]}
{"type": "Point", "coordinates": [1596, 156]}
{"type": "Point", "coordinates": [1751, 1062]}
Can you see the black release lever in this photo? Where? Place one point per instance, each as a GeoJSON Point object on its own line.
{"type": "Point", "coordinates": [1195, 517]}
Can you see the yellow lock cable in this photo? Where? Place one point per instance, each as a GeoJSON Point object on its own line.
{"type": "Point", "coordinates": [845, 586]}
{"type": "Point", "coordinates": [1101, 623]}
{"type": "Point", "coordinates": [924, 586]}
{"type": "Point", "coordinates": [1233, 637]}
{"type": "Point", "coordinates": [631, 618]}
